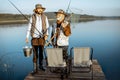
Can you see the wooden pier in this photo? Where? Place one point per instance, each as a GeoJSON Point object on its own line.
{"type": "Point", "coordinates": [95, 74]}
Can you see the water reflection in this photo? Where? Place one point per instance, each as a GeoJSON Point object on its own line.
{"type": "Point", "coordinates": [103, 36]}
{"type": "Point", "coordinates": [14, 65]}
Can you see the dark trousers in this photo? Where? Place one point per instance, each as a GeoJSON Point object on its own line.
{"type": "Point", "coordinates": [38, 53]}
{"type": "Point", "coordinates": [65, 52]}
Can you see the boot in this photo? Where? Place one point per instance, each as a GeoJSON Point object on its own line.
{"type": "Point", "coordinates": [42, 68]}
{"type": "Point", "coordinates": [35, 68]}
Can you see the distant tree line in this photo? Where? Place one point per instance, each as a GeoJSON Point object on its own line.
{"type": "Point", "coordinates": [51, 16]}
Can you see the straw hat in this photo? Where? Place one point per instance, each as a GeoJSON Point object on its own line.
{"type": "Point", "coordinates": [60, 11]}
{"type": "Point", "coordinates": [39, 6]}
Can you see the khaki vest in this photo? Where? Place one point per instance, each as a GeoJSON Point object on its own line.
{"type": "Point", "coordinates": [43, 18]}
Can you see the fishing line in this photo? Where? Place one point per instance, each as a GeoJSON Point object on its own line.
{"type": "Point", "coordinates": [18, 10]}
{"type": "Point", "coordinates": [26, 17]}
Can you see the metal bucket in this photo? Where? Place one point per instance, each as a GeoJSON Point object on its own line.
{"type": "Point", "coordinates": [27, 51]}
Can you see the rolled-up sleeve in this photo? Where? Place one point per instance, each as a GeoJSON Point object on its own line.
{"type": "Point", "coordinates": [47, 26]}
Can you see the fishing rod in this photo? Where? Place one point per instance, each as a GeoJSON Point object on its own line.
{"type": "Point", "coordinates": [30, 22]}
{"type": "Point", "coordinates": [26, 18]}
{"type": "Point", "coordinates": [19, 10]}
{"type": "Point", "coordinates": [68, 8]}
{"type": "Point", "coordinates": [49, 42]}
{"type": "Point", "coordinates": [66, 19]}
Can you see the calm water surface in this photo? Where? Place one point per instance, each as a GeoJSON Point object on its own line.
{"type": "Point", "coordinates": [102, 36]}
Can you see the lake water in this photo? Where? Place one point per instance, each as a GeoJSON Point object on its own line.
{"type": "Point", "coordinates": [102, 36]}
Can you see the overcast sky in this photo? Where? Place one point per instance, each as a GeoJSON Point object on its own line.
{"type": "Point", "coordinates": [91, 7]}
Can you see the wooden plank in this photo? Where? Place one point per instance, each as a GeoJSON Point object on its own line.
{"type": "Point", "coordinates": [97, 74]}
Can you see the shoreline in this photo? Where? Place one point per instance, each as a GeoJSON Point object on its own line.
{"type": "Point", "coordinates": [4, 22]}
{"type": "Point", "coordinates": [13, 22]}
{"type": "Point", "coordinates": [20, 19]}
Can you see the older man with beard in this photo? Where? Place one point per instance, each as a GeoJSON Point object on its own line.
{"type": "Point", "coordinates": [62, 31]}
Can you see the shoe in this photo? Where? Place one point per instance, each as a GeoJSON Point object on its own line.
{"type": "Point", "coordinates": [57, 70]}
{"type": "Point", "coordinates": [34, 72]}
{"type": "Point", "coordinates": [41, 68]}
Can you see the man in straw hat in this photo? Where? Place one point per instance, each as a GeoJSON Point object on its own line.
{"type": "Point", "coordinates": [62, 30]}
{"type": "Point", "coordinates": [38, 27]}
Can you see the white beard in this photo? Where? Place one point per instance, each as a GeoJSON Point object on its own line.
{"type": "Point", "coordinates": [59, 18]}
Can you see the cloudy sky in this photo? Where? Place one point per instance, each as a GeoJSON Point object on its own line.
{"type": "Point", "coordinates": [92, 7]}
